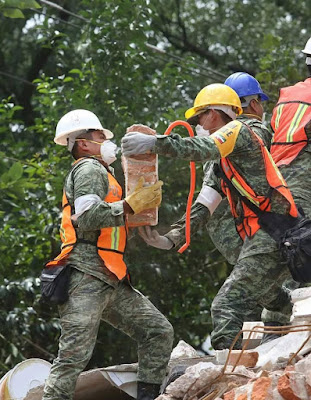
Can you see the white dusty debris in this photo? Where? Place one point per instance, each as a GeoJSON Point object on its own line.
{"type": "Point", "coordinates": [272, 371]}
{"type": "Point", "coordinates": [301, 299]}
{"type": "Point", "coordinates": [277, 370]}
{"type": "Point", "coordinates": [183, 350]}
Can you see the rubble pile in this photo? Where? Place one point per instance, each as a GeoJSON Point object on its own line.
{"type": "Point", "coordinates": [277, 370]}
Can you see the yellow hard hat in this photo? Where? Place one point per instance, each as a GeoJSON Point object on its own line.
{"type": "Point", "coordinates": [212, 95]}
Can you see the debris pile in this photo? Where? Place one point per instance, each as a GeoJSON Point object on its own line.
{"type": "Point", "coordinates": [276, 370]}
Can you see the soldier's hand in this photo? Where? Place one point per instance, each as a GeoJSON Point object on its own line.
{"type": "Point", "coordinates": [137, 143]}
{"type": "Point", "coordinates": [152, 237]}
{"type": "Point", "coordinates": [145, 197]}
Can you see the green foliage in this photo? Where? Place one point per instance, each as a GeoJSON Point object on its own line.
{"type": "Point", "coordinates": [12, 8]}
{"type": "Point", "coordinates": [101, 59]}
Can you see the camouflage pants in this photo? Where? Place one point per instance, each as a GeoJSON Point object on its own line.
{"type": "Point", "coordinates": [122, 307]}
{"type": "Point", "coordinates": [255, 282]}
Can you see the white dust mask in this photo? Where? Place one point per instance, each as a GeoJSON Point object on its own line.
{"type": "Point", "coordinates": [108, 152]}
{"type": "Point", "coordinates": [200, 131]}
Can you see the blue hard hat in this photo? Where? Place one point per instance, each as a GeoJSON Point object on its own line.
{"type": "Point", "coordinates": [245, 85]}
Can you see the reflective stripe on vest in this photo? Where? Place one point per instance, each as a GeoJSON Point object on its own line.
{"type": "Point", "coordinates": [110, 243]}
{"type": "Point", "coordinates": [288, 122]}
{"type": "Point", "coordinates": [247, 223]}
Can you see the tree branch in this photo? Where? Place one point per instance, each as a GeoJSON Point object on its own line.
{"type": "Point", "coordinates": [40, 59]}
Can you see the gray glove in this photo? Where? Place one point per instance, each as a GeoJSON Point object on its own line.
{"type": "Point", "coordinates": [135, 143]}
{"type": "Point", "coordinates": [152, 237]}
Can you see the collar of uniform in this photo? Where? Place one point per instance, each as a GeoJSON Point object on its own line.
{"type": "Point", "coordinates": [247, 117]}
{"type": "Point", "coordinates": [108, 167]}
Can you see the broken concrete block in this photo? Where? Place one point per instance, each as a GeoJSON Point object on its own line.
{"type": "Point", "coordinates": [302, 310]}
{"type": "Point", "coordinates": [292, 386]}
{"type": "Point", "coordinates": [221, 356]}
{"type": "Point", "coordinates": [263, 388]}
{"type": "Point", "coordinates": [194, 379]}
{"type": "Point", "coordinates": [284, 347]}
{"type": "Point", "coordinates": [300, 294]}
{"type": "Point", "coordinates": [183, 350]}
{"type": "Point", "coordinates": [248, 326]}
{"type": "Point", "coordinates": [304, 367]}
{"type": "Point", "coordinates": [249, 358]}
{"type": "Point", "coordinates": [134, 167]}
{"type": "Point", "coordinates": [254, 337]}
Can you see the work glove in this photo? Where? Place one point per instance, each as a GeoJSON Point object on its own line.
{"type": "Point", "coordinates": [145, 197]}
{"type": "Point", "coordinates": [152, 237]}
{"type": "Point", "coordinates": [135, 143]}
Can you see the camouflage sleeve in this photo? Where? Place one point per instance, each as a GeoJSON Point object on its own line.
{"type": "Point", "coordinates": [232, 138]}
{"type": "Point", "coordinates": [195, 149]}
{"type": "Point", "coordinates": [91, 178]}
{"type": "Point", "coordinates": [210, 179]}
{"type": "Point", "coordinates": [200, 214]}
{"type": "Point", "coordinates": [198, 218]}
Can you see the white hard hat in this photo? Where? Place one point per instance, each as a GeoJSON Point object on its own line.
{"type": "Point", "coordinates": [307, 49]}
{"type": "Point", "coordinates": [75, 123]}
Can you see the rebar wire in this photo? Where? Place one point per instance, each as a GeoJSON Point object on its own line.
{"type": "Point", "coordinates": [282, 330]}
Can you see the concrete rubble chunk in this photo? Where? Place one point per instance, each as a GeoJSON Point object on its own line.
{"type": "Point", "coordinates": [291, 386]}
{"type": "Point", "coordinates": [183, 350]}
{"type": "Point", "coordinates": [194, 378]}
{"type": "Point", "coordinates": [300, 294]}
{"type": "Point", "coordinates": [248, 358]}
{"type": "Point", "coordinates": [204, 377]}
{"type": "Point", "coordinates": [253, 338]}
{"type": "Point", "coordinates": [304, 367]}
{"type": "Point", "coordinates": [284, 347]}
{"type": "Point", "coordinates": [301, 310]}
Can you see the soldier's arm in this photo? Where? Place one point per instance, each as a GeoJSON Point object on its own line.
{"type": "Point", "coordinates": [207, 201]}
{"type": "Point", "coordinates": [198, 217]}
{"type": "Point", "coordinates": [91, 185]}
{"type": "Point", "coordinates": [211, 148]}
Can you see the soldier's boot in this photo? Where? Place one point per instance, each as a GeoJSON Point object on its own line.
{"type": "Point", "coordinates": [267, 337]}
{"type": "Point", "coordinates": [147, 391]}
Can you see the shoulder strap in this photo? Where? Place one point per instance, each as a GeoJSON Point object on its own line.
{"type": "Point", "coordinates": [272, 223]}
{"type": "Point", "coordinates": [220, 173]}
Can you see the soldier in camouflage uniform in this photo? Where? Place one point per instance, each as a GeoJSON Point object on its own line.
{"type": "Point", "coordinates": [99, 285]}
{"type": "Point", "coordinates": [259, 271]}
{"type": "Point", "coordinates": [291, 148]}
{"type": "Point", "coordinates": [219, 223]}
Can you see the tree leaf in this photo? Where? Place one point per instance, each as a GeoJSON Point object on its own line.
{"type": "Point", "coordinates": [12, 13]}
{"type": "Point", "coordinates": [16, 171]}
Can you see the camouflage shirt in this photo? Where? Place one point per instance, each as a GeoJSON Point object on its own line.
{"type": "Point", "coordinates": [220, 225]}
{"type": "Point", "coordinates": [246, 158]}
{"type": "Point", "coordinates": [91, 177]}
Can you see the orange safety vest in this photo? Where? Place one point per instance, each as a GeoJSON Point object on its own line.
{"type": "Point", "coordinates": [289, 118]}
{"type": "Point", "coordinates": [247, 223]}
{"type": "Point", "coordinates": [110, 243]}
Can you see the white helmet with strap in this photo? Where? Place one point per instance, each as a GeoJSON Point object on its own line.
{"type": "Point", "coordinates": [74, 124]}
